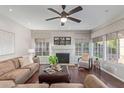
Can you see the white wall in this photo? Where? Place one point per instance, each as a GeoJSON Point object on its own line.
{"type": "Point", "coordinates": [49, 35]}
{"type": "Point", "coordinates": [22, 37]}
{"type": "Point", "coordinates": [114, 68]}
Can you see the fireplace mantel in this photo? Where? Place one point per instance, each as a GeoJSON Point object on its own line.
{"type": "Point", "coordinates": [62, 47]}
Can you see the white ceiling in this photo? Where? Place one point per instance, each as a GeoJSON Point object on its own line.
{"type": "Point", "coordinates": [33, 16]}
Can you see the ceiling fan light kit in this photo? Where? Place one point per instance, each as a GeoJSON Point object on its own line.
{"type": "Point", "coordinates": [64, 16]}
{"type": "Point", "coordinates": [63, 19]}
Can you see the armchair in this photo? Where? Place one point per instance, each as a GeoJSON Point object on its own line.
{"type": "Point", "coordinates": [85, 61]}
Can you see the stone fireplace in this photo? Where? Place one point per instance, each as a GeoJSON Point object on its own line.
{"type": "Point", "coordinates": [65, 53]}
{"type": "Point", "coordinates": [63, 57]}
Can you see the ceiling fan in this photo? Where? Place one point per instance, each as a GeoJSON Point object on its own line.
{"type": "Point", "coordinates": [64, 16]}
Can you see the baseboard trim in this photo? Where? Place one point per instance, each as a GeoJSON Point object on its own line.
{"type": "Point", "coordinates": [112, 74]}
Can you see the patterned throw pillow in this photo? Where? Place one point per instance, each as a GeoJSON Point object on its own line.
{"type": "Point", "coordinates": [24, 61]}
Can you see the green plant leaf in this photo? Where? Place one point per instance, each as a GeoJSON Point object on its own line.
{"type": "Point", "coordinates": [53, 59]}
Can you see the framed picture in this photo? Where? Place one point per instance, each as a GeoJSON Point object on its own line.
{"type": "Point", "coordinates": [56, 41]}
{"type": "Point", "coordinates": [62, 40]}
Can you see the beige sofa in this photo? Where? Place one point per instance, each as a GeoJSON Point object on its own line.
{"type": "Point", "coordinates": [90, 81]}
{"type": "Point", "coordinates": [11, 70]}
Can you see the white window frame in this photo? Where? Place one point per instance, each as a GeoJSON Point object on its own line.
{"type": "Point", "coordinates": [79, 53]}
{"type": "Point", "coordinates": [43, 47]}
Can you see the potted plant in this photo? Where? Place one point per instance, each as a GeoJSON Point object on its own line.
{"type": "Point", "coordinates": [53, 60]}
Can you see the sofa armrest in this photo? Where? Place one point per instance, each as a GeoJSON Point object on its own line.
{"type": "Point", "coordinates": [30, 66]}
{"type": "Point", "coordinates": [25, 68]}
{"type": "Point", "coordinates": [7, 83]}
{"type": "Point", "coordinates": [91, 81]}
{"type": "Point", "coordinates": [66, 85]}
{"type": "Point", "coordinates": [43, 85]}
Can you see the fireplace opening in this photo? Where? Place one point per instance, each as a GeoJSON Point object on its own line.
{"type": "Point", "coordinates": [63, 57]}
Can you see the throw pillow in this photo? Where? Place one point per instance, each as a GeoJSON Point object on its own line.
{"type": "Point", "coordinates": [24, 61]}
{"type": "Point", "coordinates": [85, 57]}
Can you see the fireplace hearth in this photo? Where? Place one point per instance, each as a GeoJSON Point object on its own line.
{"type": "Point", "coordinates": [63, 57]}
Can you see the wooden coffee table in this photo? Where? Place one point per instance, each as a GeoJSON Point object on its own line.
{"type": "Point", "coordinates": [60, 76]}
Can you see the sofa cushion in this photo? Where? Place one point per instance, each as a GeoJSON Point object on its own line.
{"type": "Point", "coordinates": [66, 85]}
{"type": "Point", "coordinates": [91, 81]}
{"type": "Point", "coordinates": [85, 57]}
{"type": "Point", "coordinates": [7, 84]}
{"type": "Point", "coordinates": [84, 64]}
{"type": "Point", "coordinates": [18, 75]}
{"type": "Point", "coordinates": [16, 62]}
{"type": "Point", "coordinates": [6, 66]}
{"type": "Point", "coordinates": [32, 67]}
{"type": "Point", "coordinates": [32, 86]}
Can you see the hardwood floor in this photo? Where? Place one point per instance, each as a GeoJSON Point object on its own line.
{"type": "Point", "coordinates": [78, 76]}
{"type": "Point", "coordinates": [110, 81]}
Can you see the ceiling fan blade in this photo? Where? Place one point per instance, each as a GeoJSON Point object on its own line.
{"type": "Point", "coordinates": [52, 18]}
{"type": "Point", "coordinates": [74, 19]}
{"type": "Point", "coordinates": [63, 7]}
{"type": "Point", "coordinates": [62, 24]}
{"type": "Point", "coordinates": [53, 10]}
{"type": "Point", "coordinates": [77, 9]}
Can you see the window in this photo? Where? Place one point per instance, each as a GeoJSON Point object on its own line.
{"type": "Point", "coordinates": [42, 47]}
{"type": "Point", "coordinates": [81, 47]}
{"type": "Point", "coordinates": [6, 42]}
{"type": "Point", "coordinates": [112, 46]}
{"type": "Point", "coordinates": [121, 47]}
{"type": "Point", "coordinates": [98, 50]}
{"type": "Point", "coordinates": [86, 47]}
{"type": "Point", "coordinates": [78, 49]}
